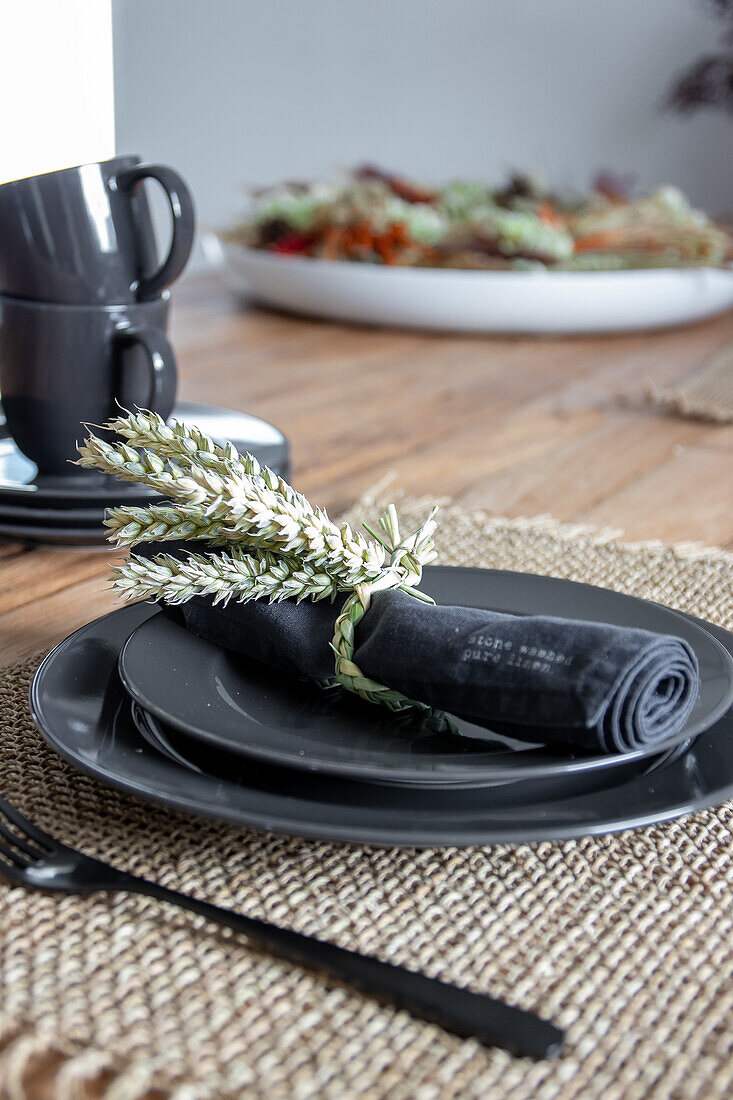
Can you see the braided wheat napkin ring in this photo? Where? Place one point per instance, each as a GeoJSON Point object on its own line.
{"type": "Point", "coordinates": [404, 571]}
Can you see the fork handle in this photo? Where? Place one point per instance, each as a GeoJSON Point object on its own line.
{"type": "Point", "coordinates": [470, 1015]}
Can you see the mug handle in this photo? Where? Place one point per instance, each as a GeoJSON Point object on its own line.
{"type": "Point", "coordinates": [162, 362]}
{"type": "Point", "coordinates": [184, 222]}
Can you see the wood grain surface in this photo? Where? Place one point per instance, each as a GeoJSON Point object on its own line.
{"type": "Point", "coordinates": [516, 426]}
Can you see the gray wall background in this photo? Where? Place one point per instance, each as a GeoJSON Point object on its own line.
{"type": "Point", "coordinates": [240, 92]}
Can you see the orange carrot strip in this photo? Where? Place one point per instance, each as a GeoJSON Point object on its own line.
{"type": "Point", "coordinates": [607, 239]}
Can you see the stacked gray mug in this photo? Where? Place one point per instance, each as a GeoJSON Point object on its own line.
{"type": "Point", "coordinates": [83, 302]}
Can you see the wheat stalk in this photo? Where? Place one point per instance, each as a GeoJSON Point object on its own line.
{"type": "Point", "coordinates": [277, 545]}
{"type": "Point", "coordinates": [130, 525]}
{"type": "Point", "coordinates": [186, 443]}
{"type": "Point", "coordinates": [232, 575]}
{"type": "Point", "coordinates": [250, 508]}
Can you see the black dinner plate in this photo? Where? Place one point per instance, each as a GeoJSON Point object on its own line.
{"type": "Point", "coordinates": [239, 705]}
{"type": "Point", "coordinates": [206, 759]}
{"type": "Point", "coordinates": [84, 713]}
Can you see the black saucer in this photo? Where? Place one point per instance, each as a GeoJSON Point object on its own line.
{"type": "Point", "coordinates": [21, 484]}
{"type": "Point", "coordinates": [68, 511]}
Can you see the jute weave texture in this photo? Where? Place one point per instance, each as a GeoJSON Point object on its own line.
{"type": "Point", "coordinates": [707, 394]}
{"type": "Point", "coordinates": [627, 940]}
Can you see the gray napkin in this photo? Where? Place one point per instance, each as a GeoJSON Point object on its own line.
{"type": "Point", "coordinates": [607, 688]}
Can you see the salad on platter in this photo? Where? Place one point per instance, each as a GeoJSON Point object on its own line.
{"type": "Point", "coordinates": [374, 217]}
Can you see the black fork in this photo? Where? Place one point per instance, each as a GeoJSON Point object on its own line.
{"type": "Point", "coordinates": [30, 857]}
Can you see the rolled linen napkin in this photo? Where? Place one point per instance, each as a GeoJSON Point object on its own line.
{"type": "Point", "coordinates": [603, 687]}
{"type": "Point", "coordinates": [607, 688]}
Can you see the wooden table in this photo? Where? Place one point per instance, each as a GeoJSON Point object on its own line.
{"type": "Point", "coordinates": [516, 426]}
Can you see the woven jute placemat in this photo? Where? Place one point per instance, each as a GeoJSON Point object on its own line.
{"type": "Point", "coordinates": [626, 941]}
{"type": "Point", "coordinates": [707, 394]}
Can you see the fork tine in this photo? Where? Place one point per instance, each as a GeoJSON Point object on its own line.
{"type": "Point", "coordinates": [19, 841]}
{"type": "Point", "coordinates": [22, 823]}
{"type": "Point", "coordinates": [15, 858]}
{"type": "Point", "coordinates": [12, 872]}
